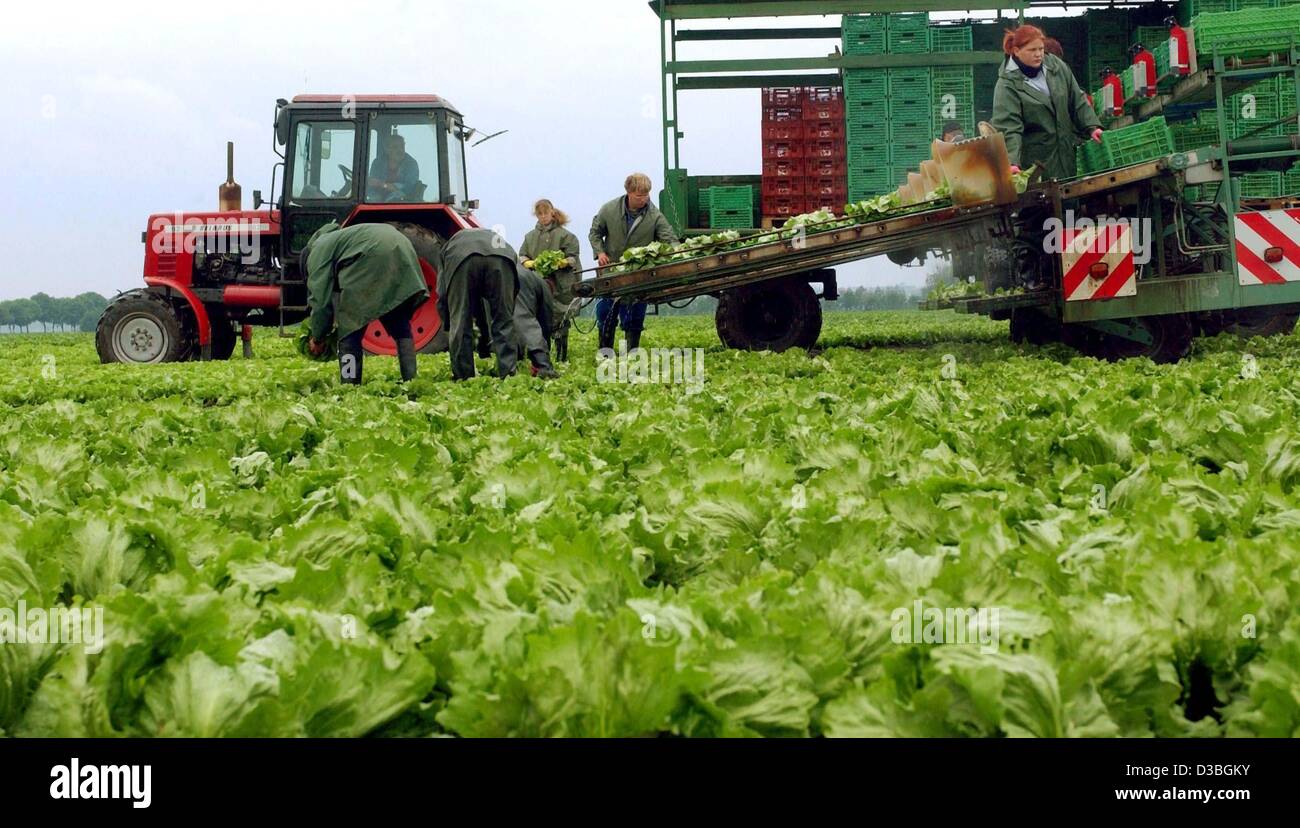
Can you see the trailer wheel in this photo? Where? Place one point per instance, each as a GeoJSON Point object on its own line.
{"type": "Point", "coordinates": [143, 328]}
{"type": "Point", "coordinates": [1030, 326]}
{"type": "Point", "coordinates": [1250, 323]}
{"type": "Point", "coordinates": [770, 317]}
{"type": "Point", "coordinates": [1171, 340]}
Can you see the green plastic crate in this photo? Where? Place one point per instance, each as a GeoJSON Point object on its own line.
{"type": "Point", "coordinates": [730, 219]}
{"type": "Point", "coordinates": [1190, 135]}
{"type": "Point", "coordinates": [1140, 142]}
{"type": "Point", "coordinates": [1248, 33]}
{"type": "Point", "coordinates": [1150, 36]}
{"type": "Point", "coordinates": [950, 39]}
{"type": "Point", "coordinates": [866, 113]}
{"type": "Point", "coordinates": [909, 155]}
{"type": "Point", "coordinates": [1260, 185]}
{"type": "Point", "coordinates": [1291, 181]}
{"type": "Point", "coordinates": [706, 201]}
{"type": "Point", "coordinates": [866, 84]}
{"type": "Point", "coordinates": [865, 34]}
{"type": "Point", "coordinates": [869, 182]}
{"type": "Point", "coordinates": [868, 156]}
{"type": "Point", "coordinates": [1239, 5]}
{"type": "Point", "coordinates": [909, 34]}
{"type": "Point", "coordinates": [732, 198]}
{"type": "Point", "coordinates": [911, 84]}
{"type": "Point", "coordinates": [1189, 10]}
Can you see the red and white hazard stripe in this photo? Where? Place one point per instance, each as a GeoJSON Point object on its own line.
{"type": "Point", "coordinates": [1267, 248]}
{"type": "Point", "coordinates": [1098, 263]}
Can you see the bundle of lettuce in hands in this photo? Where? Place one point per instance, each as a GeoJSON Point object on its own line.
{"type": "Point", "coordinates": [304, 340]}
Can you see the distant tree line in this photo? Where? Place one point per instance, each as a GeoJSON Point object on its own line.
{"type": "Point", "coordinates": [79, 313]}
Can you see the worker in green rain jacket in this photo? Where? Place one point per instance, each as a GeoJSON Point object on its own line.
{"type": "Point", "coordinates": [1044, 116]}
{"type": "Point", "coordinates": [631, 220]}
{"type": "Point", "coordinates": [550, 234]}
{"type": "Point", "coordinates": [357, 275]}
{"type": "Point", "coordinates": [1039, 107]}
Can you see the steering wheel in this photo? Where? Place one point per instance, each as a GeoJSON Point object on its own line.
{"type": "Point", "coordinates": [346, 189]}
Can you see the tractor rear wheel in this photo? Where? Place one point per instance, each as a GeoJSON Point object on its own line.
{"type": "Point", "coordinates": [143, 328]}
{"type": "Point", "coordinates": [1171, 340]}
{"type": "Point", "coordinates": [775, 317]}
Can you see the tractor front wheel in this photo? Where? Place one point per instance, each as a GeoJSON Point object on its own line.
{"type": "Point", "coordinates": [142, 328]}
{"type": "Point", "coordinates": [774, 317]}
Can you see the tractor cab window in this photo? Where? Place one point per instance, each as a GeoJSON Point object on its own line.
{"type": "Point", "coordinates": [403, 160]}
{"type": "Point", "coordinates": [323, 156]}
{"type": "Point", "coordinates": [456, 185]}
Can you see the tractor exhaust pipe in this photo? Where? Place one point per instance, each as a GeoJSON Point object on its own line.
{"type": "Point", "coordinates": [230, 196]}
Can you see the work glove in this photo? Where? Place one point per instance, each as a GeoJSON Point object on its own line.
{"type": "Point", "coordinates": [1096, 135]}
{"type": "Point", "coordinates": [529, 263]}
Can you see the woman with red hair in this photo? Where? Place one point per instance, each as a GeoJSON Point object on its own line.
{"type": "Point", "coordinates": [1039, 107]}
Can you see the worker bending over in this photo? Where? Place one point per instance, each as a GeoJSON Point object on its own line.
{"type": "Point", "coordinates": [478, 266]}
{"type": "Point", "coordinates": [534, 323]}
{"type": "Point", "coordinates": [357, 275]}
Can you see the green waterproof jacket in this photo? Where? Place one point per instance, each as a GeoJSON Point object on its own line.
{"type": "Point", "coordinates": [554, 237]}
{"type": "Point", "coordinates": [611, 235]}
{"type": "Point", "coordinates": [1043, 129]}
{"type": "Point", "coordinates": [357, 274]}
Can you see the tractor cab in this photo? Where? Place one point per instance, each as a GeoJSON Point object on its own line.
{"type": "Point", "coordinates": [366, 158]}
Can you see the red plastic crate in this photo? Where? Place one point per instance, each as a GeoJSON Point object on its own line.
{"type": "Point", "coordinates": [826, 168]}
{"type": "Point", "coordinates": [781, 114]}
{"type": "Point", "coordinates": [784, 131]}
{"type": "Point", "coordinates": [826, 150]}
{"type": "Point", "coordinates": [783, 150]}
{"type": "Point", "coordinates": [826, 188]}
{"type": "Point", "coordinates": [824, 110]}
{"type": "Point", "coordinates": [783, 168]}
{"type": "Point", "coordinates": [833, 203]}
{"type": "Point", "coordinates": [822, 94]}
{"type": "Point", "coordinates": [783, 96]}
{"type": "Point", "coordinates": [784, 206]}
{"type": "Point", "coordinates": [783, 188]}
{"type": "Point", "coordinates": [824, 130]}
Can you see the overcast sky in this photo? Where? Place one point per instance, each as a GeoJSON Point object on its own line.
{"type": "Point", "coordinates": [120, 110]}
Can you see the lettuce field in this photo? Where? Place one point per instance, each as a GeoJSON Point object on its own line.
{"type": "Point", "coordinates": [275, 555]}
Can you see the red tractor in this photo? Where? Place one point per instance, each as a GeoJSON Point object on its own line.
{"type": "Point", "coordinates": [397, 159]}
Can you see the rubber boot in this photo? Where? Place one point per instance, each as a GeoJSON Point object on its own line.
{"type": "Point", "coordinates": [608, 332]}
{"type": "Point", "coordinates": [406, 359]}
{"type": "Point", "coordinates": [562, 347]}
{"type": "Point", "coordinates": [350, 365]}
{"type": "Point", "coordinates": [633, 341]}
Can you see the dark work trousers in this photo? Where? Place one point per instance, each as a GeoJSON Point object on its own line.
{"type": "Point", "coordinates": [481, 279]}
{"type": "Point", "coordinates": [396, 322]}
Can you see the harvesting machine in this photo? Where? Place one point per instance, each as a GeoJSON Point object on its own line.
{"type": "Point", "coordinates": [1153, 249]}
{"type": "Point", "coordinates": [210, 276]}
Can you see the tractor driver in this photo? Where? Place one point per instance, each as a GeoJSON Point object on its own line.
{"type": "Point", "coordinates": [394, 175]}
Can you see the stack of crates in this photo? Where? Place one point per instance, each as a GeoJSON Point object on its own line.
{"type": "Point", "coordinates": [1251, 109]}
{"type": "Point", "coordinates": [1252, 32]}
{"type": "Point", "coordinates": [1151, 37]}
{"type": "Point", "coordinates": [1188, 10]}
{"type": "Point", "coordinates": [889, 112]}
{"type": "Point", "coordinates": [952, 88]}
{"type": "Point", "coordinates": [1201, 130]}
{"type": "Point", "coordinates": [1108, 42]}
{"type": "Point", "coordinates": [804, 152]}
